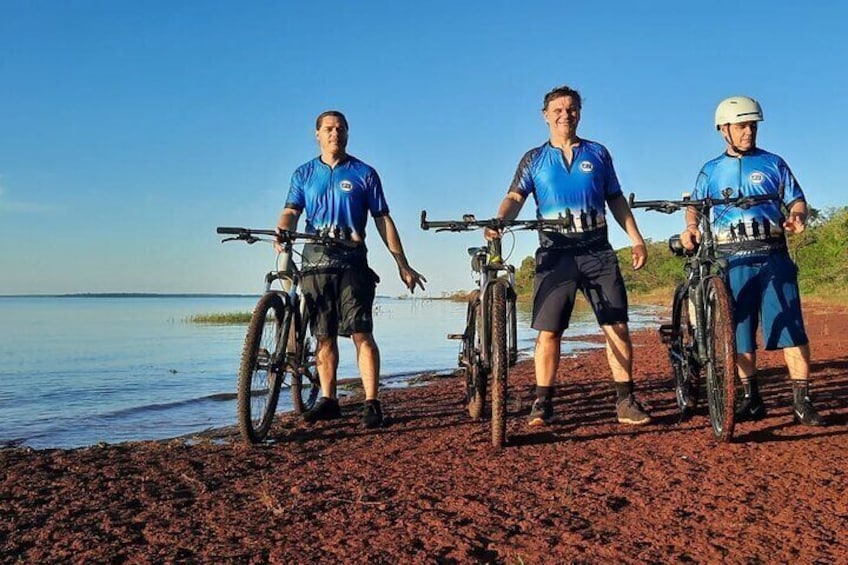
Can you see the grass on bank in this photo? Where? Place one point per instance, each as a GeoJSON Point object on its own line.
{"type": "Point", "coordinates": [220, 318]}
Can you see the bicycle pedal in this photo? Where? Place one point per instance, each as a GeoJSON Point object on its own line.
{"type": "Point", "coordinates": [456, 336]}
{"type": "Point", "coordinates": [666, 331]}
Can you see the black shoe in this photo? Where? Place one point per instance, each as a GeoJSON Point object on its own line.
{"type": "Point", "coordinates": [750, 409]}
{"type": "Point", "coordinates": [372, 414]}
{"type": "Point", "coordinates": [541, 413]}
{"type": "Point", "coordinates": [805, 414]}
{"type": "Point", "coordinates": [324, 409]}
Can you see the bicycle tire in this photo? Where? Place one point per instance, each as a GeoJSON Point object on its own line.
{"type": "Point", "coordinates": [512, 323]}
{"type": "Point", "coordinates": [500, 363]}
{"type": "Point", "coordinates": [305, 386]}
{"type": "Point", "coordinates": [681, 353]}
{"type": "Point", "coordinates": [475, 377]}
{"type": "Point", "coordinates": [259, 380]}
{"type": "Point", "coordinates": [721, 364]}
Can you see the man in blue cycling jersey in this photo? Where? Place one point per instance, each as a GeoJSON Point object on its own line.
{"type": "Point", "coordinates": [762, 275]}
{"type": "Point", "coordinates": [573, 178]}
{"type": "Point", "coordinates": [336, 192]}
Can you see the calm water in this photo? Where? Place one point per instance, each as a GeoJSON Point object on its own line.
{"type": "Point", "coordinates": [76, 371]}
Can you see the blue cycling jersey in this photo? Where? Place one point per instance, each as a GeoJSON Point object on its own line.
{"type": "Point", "coordinates": [759, 229]}
{"type": "Point", "coordinates": [337, 200]}
{"type": "Point", "coordinates": [578, 192]}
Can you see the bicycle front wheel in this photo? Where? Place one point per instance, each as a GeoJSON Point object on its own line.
{"type": "Point", "coordinates": [721, 362]}
{"type": "Point", "coordinates": [259, 379]}
{"type": "Point", "coordinates": [500, 363]}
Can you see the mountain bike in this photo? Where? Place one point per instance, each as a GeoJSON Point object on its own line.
{"type": "Point", "coordinates": [277, 351]}
{"type": "Point", "coordinates": [701, 335]}
{"type": "Point", "coordinates": [489, 343]}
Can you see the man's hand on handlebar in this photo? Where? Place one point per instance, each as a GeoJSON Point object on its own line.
{"type": "Point", "coordinates": [489, 234]}
{"type": "Point", "coordinates": [690, 237]}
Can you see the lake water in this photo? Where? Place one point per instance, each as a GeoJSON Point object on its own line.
{"type": "Point", "coordinates": [79, 370]}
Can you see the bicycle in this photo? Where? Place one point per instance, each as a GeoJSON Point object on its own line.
{"type": "Point", "coordinates": [701, 335]}
{"type": "Point", "coordinates": [277, 349]}
{"type": "Point", "coordinates": [489, 343]}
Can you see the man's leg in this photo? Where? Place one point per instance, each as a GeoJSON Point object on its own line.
{"type": "Point", "coordinates": [620, 358]}
{"type": "Point", "coordinates": [368, 359]}
{"type": "Point", "coordinates": [751, 406]}
{"type": "Point", "coordinates": [619, 351]}
{"type": "Point", "coordinates": [798, 364]}
{"type": "Point", "coordinates": [327, 363]}
{"type": "Point", "coordinates": [546, 359]}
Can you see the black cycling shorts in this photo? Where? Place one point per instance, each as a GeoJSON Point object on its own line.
{"type": "Point", "coordinates": [559, 274]}
{"type": "Point", "coordinates": [340, 301]}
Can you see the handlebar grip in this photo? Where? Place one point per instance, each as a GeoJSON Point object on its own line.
{"type": "Point", "coordinates": [230, 231]}
{"type": "Point", "coordinates": [424, 225]}
{"type": "Point", "coordinates": [631, 199]}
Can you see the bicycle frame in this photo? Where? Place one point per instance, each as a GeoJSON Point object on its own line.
{"type": "Point", "coordinates": [489, 271]}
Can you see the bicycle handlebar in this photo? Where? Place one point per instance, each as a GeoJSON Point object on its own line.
{"type": "Point", "coordinates": [251, 236]}
{"type": "Point", "coordinates": [469, 222]}
{"type": "Point", "coordinates": [671, 206]}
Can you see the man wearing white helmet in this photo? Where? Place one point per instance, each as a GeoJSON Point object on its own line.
{"type": "Point", "coordinates": [762, 275]}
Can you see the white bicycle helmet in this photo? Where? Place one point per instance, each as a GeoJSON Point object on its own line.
{"type": "Point", "coordinates": [738, 109]}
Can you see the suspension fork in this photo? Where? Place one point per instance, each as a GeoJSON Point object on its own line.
{"type": "Point", "coordinates": [488, 275]}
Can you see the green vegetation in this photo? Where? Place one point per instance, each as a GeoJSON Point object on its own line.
{"type": "Point", "coordinates": [220, 318]}
{"type": "Point", "coordinates": [821, 253]}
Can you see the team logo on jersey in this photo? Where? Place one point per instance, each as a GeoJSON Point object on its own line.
{"type": "Point", "coordinates": [757, 177]}
{"type": "Point", "coordinates": [586, 166]}
{"type": "Point", "coordinates": [346, 186]}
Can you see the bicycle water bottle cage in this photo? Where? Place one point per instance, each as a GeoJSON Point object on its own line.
{"type": "Point", "coordinates": [478, 258]}
{"type": "Point", "coordinates": [676, 247]}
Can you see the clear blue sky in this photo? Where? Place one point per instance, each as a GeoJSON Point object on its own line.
{"type": "Point", "coordinates": [130, 130]}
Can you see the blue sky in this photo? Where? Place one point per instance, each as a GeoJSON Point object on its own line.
{"type": "Point", "coordinates": [131, 130]}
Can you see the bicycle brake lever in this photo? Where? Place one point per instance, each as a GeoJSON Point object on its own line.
{"type": "Point", "coordinates": [226, 239]}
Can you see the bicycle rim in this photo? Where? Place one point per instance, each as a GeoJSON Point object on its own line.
{"type": "Point", "coordinates": [305, 386]}
{"type": "Point", "coordinates": [681, 346]}
{"type": "Point", "coordinates": [475, 378]}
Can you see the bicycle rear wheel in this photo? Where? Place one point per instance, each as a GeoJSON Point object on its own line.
{"type": "Point", "coordinates": [500, 363]}
{"type": "Point", "coordinates": [681, 348]}
{"type": "Point", "coordinates": [259, 378]}
{"type": "Point", "coordinates": [305, 386]}
{"type": "Point", "coordinates": [721, 364]}
{"type": "Point", "coordinates": [512, 324]}
{"type": "Point", "coordinates": [475, 377]}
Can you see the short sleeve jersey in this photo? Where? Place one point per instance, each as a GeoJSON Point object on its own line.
{"type": "Point", "coordinates": [336, 201]}
{"type": "Point", "coordinates": [758, 229]}
{"type": "Point", "coordinates": [578, 192]}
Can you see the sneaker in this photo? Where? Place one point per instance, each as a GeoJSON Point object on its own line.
{"type": "Point", "coordinates": [541, 413]}
{"type": "Point", "coordinates": [324, 409]}
{"type": "Point", "coordinates": [750, 408]}
{"type": "Point", "coordinates": [805, 414]}
{"type": "Point", "coordinates": [629, 411]}
{"type": "Point", "coordinates": [372, 414]}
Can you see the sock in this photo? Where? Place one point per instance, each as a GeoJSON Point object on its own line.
{"type": "Point", "coordinates": [623, 390]}
{"type": "Point", "coordinates": [800, 390]}
{"type": "Point", "coordinates": [544, 392]}
{"type": "Point", "coordinates": [750, 386]}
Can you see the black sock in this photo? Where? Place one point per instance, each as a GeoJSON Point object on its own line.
{"type": "Point", "coordinates": [544, 392]}
{"type": "Point", "coordinates": [750, 386]}
{"type": "Point", "coordinates": [623, 390]}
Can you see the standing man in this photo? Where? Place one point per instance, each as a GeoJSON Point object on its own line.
{"type": "Point", "coordinates": [570, 173]}
{"type": "Point", "coordinates": [337, 192]}
{"type": "Point", "coordinates": [763, 278]}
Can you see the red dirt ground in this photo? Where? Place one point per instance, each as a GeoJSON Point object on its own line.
{"type": "Point", "coordinates": [429, 490]}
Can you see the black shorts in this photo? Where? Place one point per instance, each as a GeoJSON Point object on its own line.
{"type": "Point", "coordinates": [340, 301]}
{"type": "Point", "coordinates": [559, 274]}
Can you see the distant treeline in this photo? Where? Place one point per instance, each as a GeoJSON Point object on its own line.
{"type": "Point", "coordinates": [821, 253]}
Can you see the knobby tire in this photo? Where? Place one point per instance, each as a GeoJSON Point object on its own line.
{"type": "Point", "coordinates": [301, 373]}
{"type": "Point", "coordinates": [684, 363]}
{"type": "Point", "coordinates": [721, 366]}
{"type": "Point", "coordinates": [500, 362]}
{"type": "Point", "coordinates": [259, 380]}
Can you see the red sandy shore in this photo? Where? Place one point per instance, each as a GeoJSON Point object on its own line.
{"type": "Point", "coordinates": [428, 489]}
